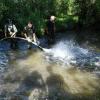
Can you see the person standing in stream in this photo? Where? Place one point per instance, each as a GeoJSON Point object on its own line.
{"type": "Point", "coordinates": [29, 33]}
{"type": "Point", "coordinates": [50, 30]}
{"type": "Point", "coordinates": [10, 30]}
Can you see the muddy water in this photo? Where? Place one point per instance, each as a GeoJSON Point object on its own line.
{"type": "Point", "coordinates": [73, 74]}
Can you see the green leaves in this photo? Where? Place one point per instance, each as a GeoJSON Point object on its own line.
{"type": "Point", "coordinates": [3, 8]}
{"type": "Point", "coordinates": [85, 11]}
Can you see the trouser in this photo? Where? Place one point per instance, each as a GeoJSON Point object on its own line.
{"type": "Point", "coordinates": [51, 38]}
{"type": "Point", "coordinates": [13, 44]}
{"type": "Point", "coordinates": [30, 43]}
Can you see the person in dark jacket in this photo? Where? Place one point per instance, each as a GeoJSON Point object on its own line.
{"type": "Point", "coordinates": [50, 29]}
{"type": "Point", "coordinates": [10, 30]}
{"type": "Point", "coordinates": [29, 33]}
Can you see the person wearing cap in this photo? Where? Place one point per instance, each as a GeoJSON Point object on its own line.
{"type": "Point", "coordinates": [29, 33]}
{"type": "Point", "coordinates": [10, 30]}
{"type": "Point", "coordinates": [50, 29]}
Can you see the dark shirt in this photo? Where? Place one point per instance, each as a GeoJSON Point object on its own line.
{"type": "Point", "coordinates": [50, 26]}
{"type": "Point", "coordinates": [29, 31]}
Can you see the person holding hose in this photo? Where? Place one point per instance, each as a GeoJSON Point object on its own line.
{"type": "Point", "coordinates": [29, 33]}
{"type": "Point", "coordinates": [10, 30]}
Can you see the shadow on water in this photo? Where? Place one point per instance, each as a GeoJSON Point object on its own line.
{"type": "Point", "coordinates": [31, 77]}
{"type": "Point", "coordinates": [72, 84]}
{"type": "Point", "coordinates": [56, 84]}
{"type": "Point", "coordinates": [34, 78]}
{"type": "Point", "coordinates": [32, 87]}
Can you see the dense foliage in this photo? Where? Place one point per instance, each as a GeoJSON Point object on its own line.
{"type": "Point", "coordinates": [69, 13]}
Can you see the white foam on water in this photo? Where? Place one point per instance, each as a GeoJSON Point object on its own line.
{"type": "Point", "coordinates": [62, 50]}
{"type": "Point", "coordinates": [67, 51]}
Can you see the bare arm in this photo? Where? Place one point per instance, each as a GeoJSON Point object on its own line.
{"type": "Point", "coordinates": [25, 32]}
{"type": "Point", "coordinates": [34, 37]}
{"type": "Point", "coordinates": [15, 31]}
{"type": "Point", "coordinates": [25, 35]}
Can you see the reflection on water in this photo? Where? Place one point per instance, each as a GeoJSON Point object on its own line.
{"type": "Point", "coordinates": [3, 61]}
{"type": "Point", "coordinates": [56, 74]}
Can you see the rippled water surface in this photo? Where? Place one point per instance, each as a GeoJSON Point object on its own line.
{"type": "Point", "coordinates": [66, 71]}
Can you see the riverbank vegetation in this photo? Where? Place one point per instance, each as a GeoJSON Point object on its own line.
{"type": "Point", "coordinates": [70, 14]}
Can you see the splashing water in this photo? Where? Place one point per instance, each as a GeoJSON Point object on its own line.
{"type": "Point", "coordinates": [62, 50]}
{"type": "Point", "coordinates": [71, 53]}
{"type": "Point", "coordinates": [30, 76]}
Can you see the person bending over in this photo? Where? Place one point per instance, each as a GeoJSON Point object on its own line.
{"type": "Point", "coordinates": [29, 33]}
{"type": "Point", "coordinates": [10, 30]}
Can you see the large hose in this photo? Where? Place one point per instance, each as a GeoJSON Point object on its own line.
{"type": "Point", "coordinates": [25, 40]}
